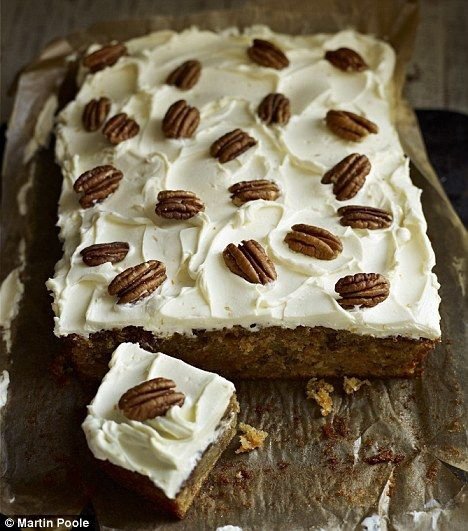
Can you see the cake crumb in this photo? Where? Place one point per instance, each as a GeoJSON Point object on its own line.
{"type": "Point", "coordinates": [251, 438]}
{"type": "Point", "coordinates": [319, 390]}
{"type": "Point", "coordinates": [335, 428]}
{"type": "Point", "coordinates": [351, 385]}
{"type": "Point", "coordinates": [385, 456]}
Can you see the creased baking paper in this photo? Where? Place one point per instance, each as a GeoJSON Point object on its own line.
{"type": "Point", "coordinates": [314, 472]}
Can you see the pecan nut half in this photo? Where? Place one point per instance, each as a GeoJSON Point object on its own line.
{"type": "Point", "coordinates": [186, 75]}
{"type": "Point", "coordinates": [231, 145]}
{"type": "Point", "coordinates": [95, 113]}
{"type": "Point", "coordinates": [245, 191]}
{"type": "Point", "coordinates": [349, 125]}
{"type": "Point", "coordinates": [100, 253]}
{"type": "Point", "coordinates": [106, 56]}
{"type": "Point", "coordinates": [313, 241]}
{"type": "Point", "coordinates": [178, 204]}
{"type": "Point", "coordinates": [150, 399]}
{"type": "Point", "coordinates": [119, 128]}
{"type": "Point", "coordinates": [181, 120]}
{"type": "Point", "coordinates": [250, 261]}
{"type": "Point", "coordinates": [97, 184]}
{"type": "Point", "coordinates": [348, 176]}
{"type": "Point", "coordinates": [275, 109]}
{"type": "Point", "coordinates": [362, 290]}
{"type": "Point", "coordinates": [365, 217]}
{"type": "Point", "coordinates": [346, 59]}
{"type": "Point", "coordinates": [138, 281]}
{"type": "Point", "coordinates": [265, 53]}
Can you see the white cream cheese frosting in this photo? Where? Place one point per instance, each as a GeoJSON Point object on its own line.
{"type": "Point", "coordinates": [165, 449]}
{"type": "Point", "coordinates": [201, 292]}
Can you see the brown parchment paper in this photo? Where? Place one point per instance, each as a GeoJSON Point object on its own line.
{"type": "Point", "coordinates": [312, 472]}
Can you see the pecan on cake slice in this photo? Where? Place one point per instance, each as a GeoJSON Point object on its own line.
{"type": "Point", "coordinates": [178, 204]}
{"type": "Point", "coordinates": [275, 109]}
{"type": "Point", "coordinates": [313, 241]}
{"type": "Point", "coordinates": [346, 59]}
{"type": "Point", "coordinates": [265, 53]}
{"type": "Point", "coordinates": [362, 290]}
{"type": "Point", "coordinates": [365, 217]}
{"type": "Point", "coordinates": [231, 145]}
{"type": "Point", "coordinates": [180, 120]}
{"type": "Point", "coordinates": [106, 56]}
{"type": "Point", "coordinates": [119, 128]}
{"type": "Point", "coordinates": [245, 191]}
{"type": "Point", "coordinates": [348, 176]}
{"type": "Point", "coordinates": [350, 126]}
{"type": "Point", "coordinates": [95, 113]}
{"type": "Point", "coordinates": [186, 75]}
{"type": "Point", "coordinates": [97, 184]}
{"type": "Point", "coordinates": [138, 282]}
{"type": "Point", "coordinates": [150, 399]}
{"type": "Point", "coordinates": [250, 261]}
{"type": "Point", "coordinates": [100, 253]}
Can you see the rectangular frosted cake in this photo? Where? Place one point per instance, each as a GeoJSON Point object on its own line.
{"type": "Point", "coordinates": [242, 201]}
{"type": "Point", "coordinates": [158, 425]}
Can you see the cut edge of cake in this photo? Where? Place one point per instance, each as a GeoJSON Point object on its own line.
{"type": "Point", "coordinates": [273, 352]}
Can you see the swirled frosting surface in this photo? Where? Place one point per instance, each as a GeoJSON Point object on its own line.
{"type": "Point", "coordinates": [201, 292]}
{"type": "Point", "coordinates": [165, 449]}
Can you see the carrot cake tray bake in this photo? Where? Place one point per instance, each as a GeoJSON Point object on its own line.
{"type": "Point", "coordinates": [241, 201]}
